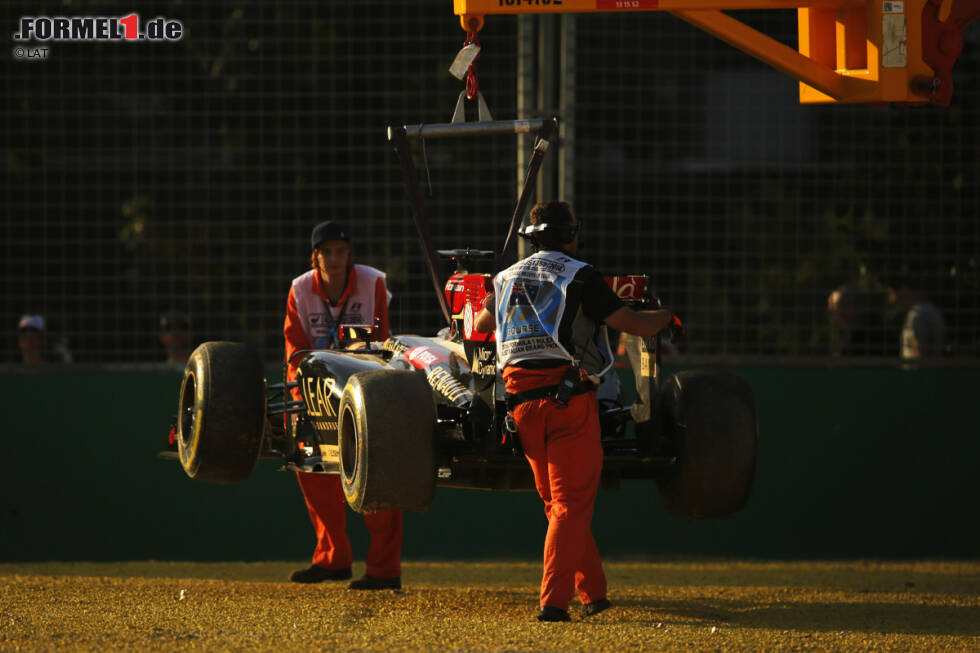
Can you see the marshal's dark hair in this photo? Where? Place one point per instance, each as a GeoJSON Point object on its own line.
{"type": "Point", "coordinates": [552, 213]}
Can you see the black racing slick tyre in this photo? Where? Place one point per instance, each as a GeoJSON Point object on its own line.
{"type": "Point", "coordinates": [221, 414]}
{"type": "Point", "coordinates": [709, 420]}
{"type": "Point", "coordinates": [387, 442]}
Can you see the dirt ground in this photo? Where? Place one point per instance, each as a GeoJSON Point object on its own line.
{"type": "Point", "coordinates": [658, 606]}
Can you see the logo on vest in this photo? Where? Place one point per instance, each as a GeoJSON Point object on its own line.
{"type": "Point", "coordinates": [523, 330]}
{"type": "Point", "coordinates": [523, 293]}
{"type": "Point", "coordinates": [542, 264]}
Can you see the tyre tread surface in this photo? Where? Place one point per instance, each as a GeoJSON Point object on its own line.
{"type": "Point", "coordinates": [231, 407]}
{"type": "Point", "coordinates": [709, 417]}
{"type": "Point", "coordinates": [395, 415]}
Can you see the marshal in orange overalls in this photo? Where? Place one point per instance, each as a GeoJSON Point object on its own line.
{"type": "Point", "coordinates": [562, 444]}
{"type": "Point", "coordinates": [322, 492]}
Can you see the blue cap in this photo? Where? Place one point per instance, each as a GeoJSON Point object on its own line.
{"type": "Point", "coordinates": [329, 230]}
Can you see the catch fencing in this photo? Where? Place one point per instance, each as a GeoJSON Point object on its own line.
{"type": "Point", "coordinates": [148, 178]}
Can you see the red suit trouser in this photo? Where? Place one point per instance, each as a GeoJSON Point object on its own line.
{"type": "Point", "coordinates": [564, 449]}
{"type": "Point", "coordinates": [328, 512]}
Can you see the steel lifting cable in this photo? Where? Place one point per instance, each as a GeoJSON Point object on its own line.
{"type": "Point", "coordinates": [425, 161]}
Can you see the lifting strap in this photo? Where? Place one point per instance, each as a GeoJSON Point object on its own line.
{"type": "Point", "coordinates": [399, 139]}
{"type": "Point", "coordinates": [508, 255]}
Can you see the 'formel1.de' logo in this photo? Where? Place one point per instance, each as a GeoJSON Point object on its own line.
{"type": "Point", "coordinates": [97, 28]}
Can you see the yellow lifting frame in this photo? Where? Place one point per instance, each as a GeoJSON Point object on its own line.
{"type": "Point", "coordinates": [840, 56]}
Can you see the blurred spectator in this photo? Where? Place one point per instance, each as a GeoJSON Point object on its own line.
{"type": "Point", "coordinates": [33, 340]}
{"type": "Point", "coordinates": [923, 327]}
{"type": "Point", "coordinates": [32, 336]}
{"type": "Point", "coordinates": [859, 328]}
{"type": "Point", "coordinates": [175, 336]}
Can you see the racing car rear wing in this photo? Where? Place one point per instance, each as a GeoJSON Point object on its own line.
{"type": "Point", "coordinates": [399, 138]}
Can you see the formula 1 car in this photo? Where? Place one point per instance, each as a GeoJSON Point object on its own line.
{"type": "Point", "coordinates": [397, 418]}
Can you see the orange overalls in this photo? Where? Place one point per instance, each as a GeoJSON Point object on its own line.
{"type": "Point", "coordinates": [562, 444]}
{"type": "Point", "coordinates": [323, 494]}
{"type": "Point", "coordinates": [328, 512]}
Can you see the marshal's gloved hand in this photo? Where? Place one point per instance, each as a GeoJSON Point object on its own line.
{"type": "Point", "coordinates": [675, 329]}
{"type": "Point", "coordinates": [652, 301]}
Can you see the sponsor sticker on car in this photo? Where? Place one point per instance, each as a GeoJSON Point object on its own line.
{"type": "Point", "coordinates": [422, 357]}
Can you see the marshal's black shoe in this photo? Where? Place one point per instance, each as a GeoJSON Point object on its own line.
{"type": "Point", "coordinates": [549, 613]}
{"type": "Point", "coordinates": [366, 582]}
{"type": "Point", "coordinates": [318, 574]}
{"type": "Point", "coordinates": [595, 607]}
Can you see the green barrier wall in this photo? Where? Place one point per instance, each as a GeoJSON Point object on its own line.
{"type": "Point", "coordinates": [853, 463]}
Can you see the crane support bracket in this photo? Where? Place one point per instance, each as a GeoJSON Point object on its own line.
{"type": "Point", "coordinates": [853, 51]}
{"type": "Point", "coordinates": [943, 23]}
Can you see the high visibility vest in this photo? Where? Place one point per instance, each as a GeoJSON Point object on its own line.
{"type": "Point", "coordinates": [320, 320]}
{"type": "Point", "coordinates": [531, 307]}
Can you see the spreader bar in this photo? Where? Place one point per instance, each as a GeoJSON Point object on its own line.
{"type": "Point", "coordinates": [460, 129]}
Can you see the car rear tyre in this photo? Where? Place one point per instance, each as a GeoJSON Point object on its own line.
{"type": "Point", "coordinates": [221, 414]}
{"type": "Point", "coordinates": [709, 420]}
{"type": "Point", "coordinates": [387, 447]}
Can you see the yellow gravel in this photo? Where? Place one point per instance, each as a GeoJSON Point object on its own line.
{"type": "Point", "coordinates": [658, 606]}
